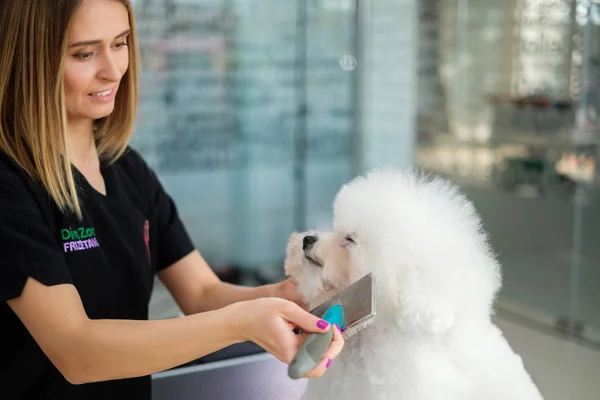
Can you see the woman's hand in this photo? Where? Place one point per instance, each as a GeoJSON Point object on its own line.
{"type": "Point", "coordinates": [269, 322]}
{"type": "Point", "coordinates": [288, 290]}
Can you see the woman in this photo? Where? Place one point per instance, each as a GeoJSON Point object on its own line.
{"type": "Point", "coordinates": [85, 223]}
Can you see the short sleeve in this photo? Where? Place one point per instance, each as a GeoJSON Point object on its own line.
{"type": "Point", "coordinates": [171, 239]}
{"type": "Point", "coordinates": [27, 246]}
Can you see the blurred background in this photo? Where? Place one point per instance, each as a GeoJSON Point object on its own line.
{"type": "Point", "coordinates": [255, 112]}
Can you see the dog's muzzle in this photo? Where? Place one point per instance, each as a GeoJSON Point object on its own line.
{"type": "Point", "coordinates": [307, 245]}
{"type": "Point", "coordinates": [308, 242]}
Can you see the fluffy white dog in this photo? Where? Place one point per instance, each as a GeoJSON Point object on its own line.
{"type": "Point", "coordinates": [436, 280]}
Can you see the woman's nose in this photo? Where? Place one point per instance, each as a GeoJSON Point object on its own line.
{"type": "Point", "coordinates": [110, 69]}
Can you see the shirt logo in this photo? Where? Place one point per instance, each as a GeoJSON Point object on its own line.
{"type": "Point", "coordinates": [79, 239]}
{"type": "Point", "coordinates": [147, 238]}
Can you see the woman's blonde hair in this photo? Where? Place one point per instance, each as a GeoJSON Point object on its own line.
{"type": "Point", "coordinates": [33, 116]}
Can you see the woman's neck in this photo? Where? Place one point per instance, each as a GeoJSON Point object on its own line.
{"type": "Point", "coordinates": [82, 145]}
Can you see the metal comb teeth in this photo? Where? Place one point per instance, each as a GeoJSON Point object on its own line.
{"type": "Point", "coordinates": [348, 333]}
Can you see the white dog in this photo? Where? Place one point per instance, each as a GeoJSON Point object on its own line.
{"type": "Point", "coordinates": [436, 280]}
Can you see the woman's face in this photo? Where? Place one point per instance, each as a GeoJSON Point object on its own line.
{"type": "Point", "coordinates": [97, 58]}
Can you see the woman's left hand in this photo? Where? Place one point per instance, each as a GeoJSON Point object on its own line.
{"type": "Point", "coordinates": [288, 290]}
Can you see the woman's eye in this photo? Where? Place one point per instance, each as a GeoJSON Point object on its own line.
{"type": "Point", "coordinates": [120, 45]}
{"type": "Point", "coordinates": [84, 56]}
{"type": "Point", "coordinates": [349, 239]}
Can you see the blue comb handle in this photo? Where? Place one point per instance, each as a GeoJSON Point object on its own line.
{"type": "Point", "coordinates": [335, 315]}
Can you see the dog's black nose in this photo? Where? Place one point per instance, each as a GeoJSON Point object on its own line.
{"type": "Point", "coordinates": [308, 241]}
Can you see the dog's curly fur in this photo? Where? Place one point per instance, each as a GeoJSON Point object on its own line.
{"type": "Point", "coordinates": [436, 281]}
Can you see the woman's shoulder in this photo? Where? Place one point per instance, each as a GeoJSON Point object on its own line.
{"type": "Point", "coordinates": [134, 164]}
{"type": "Point", "coordinates": [7, 164]}
{"type": "Point", "coordinates": [18, 189]}
{"type": "Point", "coordinates": [135, 174]}
{"type": "Point", "coordinates": [12, 175]}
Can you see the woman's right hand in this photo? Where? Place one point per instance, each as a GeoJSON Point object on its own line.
{"type": "Point", "coordinates": [270, 323]}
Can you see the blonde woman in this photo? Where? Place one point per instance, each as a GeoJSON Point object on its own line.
{"type": "Point", "coordinates": [85, 224]}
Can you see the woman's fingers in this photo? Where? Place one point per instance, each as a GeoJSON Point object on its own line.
{"type": "Point", "coordinates": [332, 352]}
{"type": "Point", "coordinates": [337, 344]}
{"type": "Point", "coordinates": [321, 368]}
{"type": "Point", "coordinates": [288, 290]}
{"type": "Point", "coordinates": [296, 317]}
{"type": "Point", "coordinates": [304, 320]}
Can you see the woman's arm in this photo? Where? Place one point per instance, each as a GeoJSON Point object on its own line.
{"type": "Point", "coordinates": [196, 288]}
{"type": "Point", "coordinates": [86, 350]}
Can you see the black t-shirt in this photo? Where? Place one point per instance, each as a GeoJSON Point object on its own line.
{"type": "Point", "coordinates": [111, 257]}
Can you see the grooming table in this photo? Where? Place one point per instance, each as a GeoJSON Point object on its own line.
{"type": "Point", "coordinates": [242, 372]}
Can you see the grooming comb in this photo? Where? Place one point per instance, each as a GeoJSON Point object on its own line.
{"type": "Point", "coordinates": [353, 309]}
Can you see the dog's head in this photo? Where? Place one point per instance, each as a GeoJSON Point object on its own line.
{"type": "Point", "coordinates": [419, 236]}
{"type": "Point", "coordinates": [322, 263]}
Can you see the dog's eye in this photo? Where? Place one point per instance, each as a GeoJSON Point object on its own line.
{"type": "Point", "coordinates": [349, 239]}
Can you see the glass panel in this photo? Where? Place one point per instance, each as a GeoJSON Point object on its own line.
{"type": "Point", "coordinates": [247, 114]}
{"type": "Point", "coordinates": [585, 284]}
{"type": "Point", "coordinates": [331, 111]}
{"type": "Point", "coordinates": [520, 79]}
{"type": "Point", "coordinates": [186, 122]}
